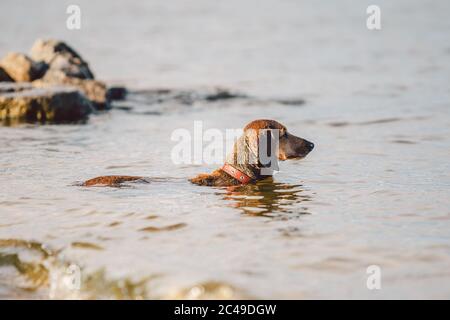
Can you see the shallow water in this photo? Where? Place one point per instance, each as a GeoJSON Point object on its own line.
{"type": "Point", "coordinates": [375, 191]}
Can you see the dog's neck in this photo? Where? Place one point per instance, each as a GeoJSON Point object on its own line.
{"type": "Point", "coordinates": [252, 171]}
{"type": "Point", "coordinates": [245, 159]}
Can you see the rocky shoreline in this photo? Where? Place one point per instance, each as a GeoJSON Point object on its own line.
{"type": "Point", "coordinates": [53, 84]}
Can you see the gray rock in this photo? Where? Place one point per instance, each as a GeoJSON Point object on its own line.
{"type": "Point", "coordinates": [51, 104]}
{"type": "Point", "coordinates": [21, 68]}
{"type": "Point", "coordinates": [59, 56]}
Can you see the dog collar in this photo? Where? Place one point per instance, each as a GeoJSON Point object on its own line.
{"type": "Point", "coordinates": [235, 173]}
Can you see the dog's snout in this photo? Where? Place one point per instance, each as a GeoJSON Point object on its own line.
{"type": "Point", "coordinates": [309, 145]}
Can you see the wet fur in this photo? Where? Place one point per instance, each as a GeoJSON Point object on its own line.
{"type": "Point", "coordinates": [111, 181]}
{"type": "Point", "coordinates": [290, 147]}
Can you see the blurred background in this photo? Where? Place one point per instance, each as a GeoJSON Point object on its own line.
{"type": "Point", "coordinates": [291, 45]}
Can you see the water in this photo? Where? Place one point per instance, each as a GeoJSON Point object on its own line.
{"type": "Point", "coordinates": [375, 191]}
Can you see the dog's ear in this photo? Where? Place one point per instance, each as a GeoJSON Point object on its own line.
{"type": "Point", "coordinates": [258, 147]}
{"type": "Point", "coordinates": [252, 143]}
{"type": "Point", "coordinates": [246, 148]}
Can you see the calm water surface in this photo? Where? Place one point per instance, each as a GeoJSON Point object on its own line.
{"type": "Point", "coordinates": [375, 191]}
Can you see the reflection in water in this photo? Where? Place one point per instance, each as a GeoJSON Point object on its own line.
{"type": "Point", "coordinates": [269, 199]}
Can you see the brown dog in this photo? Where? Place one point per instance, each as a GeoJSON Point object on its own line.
{"type": "Point", "coordinates": [244, 165]}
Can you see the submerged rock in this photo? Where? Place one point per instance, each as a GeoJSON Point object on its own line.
{"type": "Point", "coordinates": [222, 94]}
{"type": "Point", "coordinates": [59, 56]}
{"type": "Point", "coordinates": [20, 67]}
{"type": "Point", "coordinates": [51, 104]}
{"type": "Point", "coordinates": [116, 93]}
{"type": "Point", "coordinates": [187, 97]}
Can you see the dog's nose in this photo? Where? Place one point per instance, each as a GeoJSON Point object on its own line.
{"type": "Point", "coordinates": [309, 145]}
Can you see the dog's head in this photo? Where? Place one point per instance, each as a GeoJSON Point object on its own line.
{"type": "Point", "coordinates": [260, 136]}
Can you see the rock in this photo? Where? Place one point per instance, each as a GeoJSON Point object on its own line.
{"type": "Point", "coordinates": [116, 93]}
{"type": "Point", "coordinates": [59, 56]}
{"type": "Point", "coordinates": [52, 104]}
{"type": "Point", "coordinates": [223, 94]}
{"type": "Point", "coordinates": [291, 102]}
{"type": "Point", "coordinates": [94, 90]}
{"type": "Point", "coordinates": [67, 67]}
{"type": "Point", "coordinates": [4, 76]}
{"type": "Point", "coordinates": [21, 68]}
